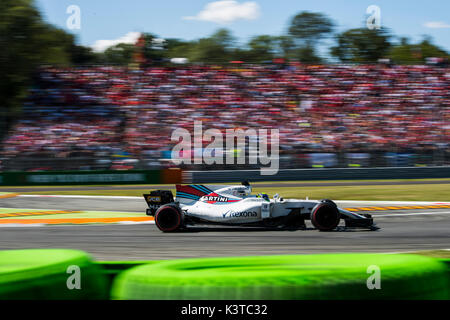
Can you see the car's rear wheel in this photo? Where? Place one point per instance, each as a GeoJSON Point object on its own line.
{"type": "Point", "coordinates": [325, 216]}
{"type": "Point", "coordinates": [169, 218]}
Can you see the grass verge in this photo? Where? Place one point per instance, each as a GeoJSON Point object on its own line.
{"type": "Point", "coordinates": [414, 192]}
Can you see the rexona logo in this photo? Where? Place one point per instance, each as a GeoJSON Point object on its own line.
{"type": "Point", "coordinates": [239, 214]}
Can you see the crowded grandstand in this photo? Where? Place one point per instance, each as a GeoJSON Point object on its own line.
{"type": "Point", "coordinates": [328, 115]}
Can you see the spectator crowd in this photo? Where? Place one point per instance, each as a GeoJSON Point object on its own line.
{"type": "Point", "coordinates": [317, 108]}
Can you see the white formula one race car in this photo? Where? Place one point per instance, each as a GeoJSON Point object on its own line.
{"type": "Point", "coordinates": [235, 206]}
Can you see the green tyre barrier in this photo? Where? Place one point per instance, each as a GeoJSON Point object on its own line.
{"type": "Point", "coordinates": [446, 261]}
{"type": "Point", "coordinates": [110, 269]}
{"type": "Point", "coordinates": [50, 274]}
{"type": "Point", "coordinates": [116, 267]}
{"type": "Point", "coordinates": [327, 276]}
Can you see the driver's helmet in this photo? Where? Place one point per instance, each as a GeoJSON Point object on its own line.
{"type": "Point", "coordinates": [265, 196]}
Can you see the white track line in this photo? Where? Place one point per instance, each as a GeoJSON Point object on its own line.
{"type": "Point", "coordinates": [414, 251]}
{"type": "Point", "coordinates": [20, 225]}
{"type": "Point", "coordinates": [136, 222]}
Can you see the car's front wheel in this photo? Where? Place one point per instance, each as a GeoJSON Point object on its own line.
{"type": "Point", "coordinates": [325, 216]}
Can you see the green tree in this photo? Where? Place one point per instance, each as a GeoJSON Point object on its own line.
{"type": "Point", "coordinates": [286, 46]}
{"type": "Point", "coordinates": [176, 48]}
{"type": "Point", "coordinates": [217, 48]}
{"type": "Point", "coordinates": [406, 53]}
{"type": "Point", "coordinates": [224, 38]}
{"type": "Point", "coordinates": [307, 54]}
{"type": "Point", "coordinates": [307, 29]}
{"type": "Point", "coordinates": [310, 27]}
{"type": "Point", "coordinates": [361, 45]}
{"type": "Point", "coordinates": [81, 55]}
{"type": "Point", "coordinates": [262, 48]}
{"type": "Point", "coordinates": [120, 54]}
{"type": "Point", "coordinates": [206, 50]}
{"type": "Point", "coordinates": [155, 49]}
{"type": "Point", "coordinates": [60, 48]}
{"type": "Point", "coordinates": [25, 42]}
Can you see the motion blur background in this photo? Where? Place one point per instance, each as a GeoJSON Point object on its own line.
{"type": "Point", "coordinates": [340, 97]}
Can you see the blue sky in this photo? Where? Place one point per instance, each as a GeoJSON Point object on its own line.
{"type": "Point", "coordinates": [108, 20]}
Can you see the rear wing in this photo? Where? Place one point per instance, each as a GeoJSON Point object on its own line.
{"type": "Point", "coordinates": [156, 199]}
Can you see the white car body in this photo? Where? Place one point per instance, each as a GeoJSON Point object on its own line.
{"type": "Point", "coordinates": [234, 205]}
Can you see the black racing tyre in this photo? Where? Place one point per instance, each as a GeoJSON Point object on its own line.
{"type": "Point", "coordinates": [169, 218]}
{"type": "Point", "coordinates": [325, 216]}
{"type": "Point", "coordinates": [50, 274]}
{"type": "Point", "coordinates": [286, 277]}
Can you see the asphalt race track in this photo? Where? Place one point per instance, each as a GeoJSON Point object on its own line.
{"type": "Point", "coordinates": [401, 231]}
